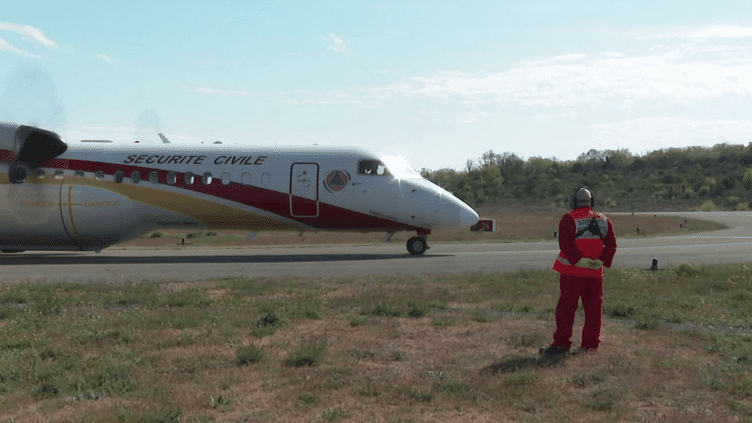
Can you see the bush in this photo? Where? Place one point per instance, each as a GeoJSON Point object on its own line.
{"type": "Point", "coordinates": [708, 206]}
{"type": "Point", "coordinates": [689, 270]}
{"type": "Point", "coordinates": [307, 310]}
{"type": "Point", "coordinates": [309, 354]}
{"type": "Point", "coordinates": [417, 309]}
{"type": "Point", "coordinates": [268, 322]}
{"type": "Point", "coordinates": [382, 309]}
{"type": "Point", "coordinates": [49, 388]}
{"type": "Point", "coordinates": [452, 387]}
{"type": "Point", "coordinates": [248, 354]}
{"type": "Point", "coordinates": [619, 310]}
{"type": "Point", "coordinates": [164, 415]}
{"type": "Point", "coordinates": [646, 322]}
{"type": "Point", "coordinates": [111, 379]}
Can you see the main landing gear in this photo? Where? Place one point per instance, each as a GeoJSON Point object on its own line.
{"type": "Point", "coordinates": [417, 245]}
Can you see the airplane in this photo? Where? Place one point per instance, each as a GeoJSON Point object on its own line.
{"type": "Point", "coordinates": [91, 195]}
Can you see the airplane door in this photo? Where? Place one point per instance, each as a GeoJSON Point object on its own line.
{"type": "Point", "coordinates": [304, 190]}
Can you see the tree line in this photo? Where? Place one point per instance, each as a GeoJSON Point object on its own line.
{"type": "Point", "coordinates": [706, 178]}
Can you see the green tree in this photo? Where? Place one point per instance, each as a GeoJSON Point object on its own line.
{"type": "Point", "coordinates": [747, 179]}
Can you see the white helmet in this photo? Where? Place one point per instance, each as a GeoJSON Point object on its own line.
{"type": "Point", "coordinates": [581, 197]}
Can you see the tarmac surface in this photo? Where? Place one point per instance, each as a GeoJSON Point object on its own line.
{"type": "Point", "coordinates": [731, 245]}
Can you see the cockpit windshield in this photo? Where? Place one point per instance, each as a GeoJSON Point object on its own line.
{"type": "Point", "coordinates": [372, 167]}
{"type": "Point", "coordinates": [396, 167]}
{"type": "Point", "coordinates": [400, 167]}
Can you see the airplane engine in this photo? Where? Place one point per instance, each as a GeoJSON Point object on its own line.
{"type": "Point", "coordinates": [24, 148]}
{"type": "Point", "coordinates": [41, 209]}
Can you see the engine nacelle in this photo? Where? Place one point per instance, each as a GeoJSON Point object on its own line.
{"type": "Point", "coordinates": [24, 148]}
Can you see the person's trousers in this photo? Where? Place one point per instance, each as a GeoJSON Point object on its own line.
{"type": "Point", "coordinates": [572, 288]}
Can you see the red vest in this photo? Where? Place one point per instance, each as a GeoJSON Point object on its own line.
{"type": "Point", "coordinates": [590, 229]}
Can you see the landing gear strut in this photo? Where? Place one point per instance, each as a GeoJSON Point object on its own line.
{"type": "Point", "coordinates": [417, 245]}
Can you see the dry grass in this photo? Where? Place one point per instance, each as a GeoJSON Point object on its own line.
{"type": "Point", "coordinates": [465, 360]}
{"type": "Point", "coordinates": [511, 226]}
{"type": "Point", "coordinates": [412, 370]}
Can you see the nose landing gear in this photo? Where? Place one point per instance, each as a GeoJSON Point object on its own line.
{"type": "Point", "coordinates": [417, 245]}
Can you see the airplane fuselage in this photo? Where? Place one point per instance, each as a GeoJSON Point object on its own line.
{"type": "Point", "coordinates": [94, 195]}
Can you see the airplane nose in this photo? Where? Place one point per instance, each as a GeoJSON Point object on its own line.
{"type": "Point", "coordinates": [439, 208]}
{"type": "Point", "coordinates": [468, 216]}
{"type": "Point", "coordinates": [458, 214]}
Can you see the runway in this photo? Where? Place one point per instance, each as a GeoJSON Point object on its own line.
{"type": "Point", "coordinates": [731, 245]}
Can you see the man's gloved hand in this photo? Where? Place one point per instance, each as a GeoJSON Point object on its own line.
{"type": "Point", "coordinates": [590, 263]}
{"type": "Point", "coordinates": [596, 264]}
{"type": "Point", "coordinates": [584, 262]}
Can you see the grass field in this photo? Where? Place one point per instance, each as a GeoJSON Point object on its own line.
{"type": "Point", "coordinates": [511, 227]}
{"type": "Point", "coordinates": [676, 348]}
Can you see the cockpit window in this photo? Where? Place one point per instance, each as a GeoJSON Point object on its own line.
{"type": "Point", "coordinates": [400, 168]}
{"type": "Point", "coordinates": [372, 167]}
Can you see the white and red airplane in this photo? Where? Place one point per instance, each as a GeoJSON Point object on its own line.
{"type": "Point", "coordinates": [90, 195]}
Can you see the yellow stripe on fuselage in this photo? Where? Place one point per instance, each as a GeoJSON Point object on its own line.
{"type": "Point", "coordinates": [213, 215]}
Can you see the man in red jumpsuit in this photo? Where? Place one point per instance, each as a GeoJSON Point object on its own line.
{"type": "Point", "coordinates": [587, 244]}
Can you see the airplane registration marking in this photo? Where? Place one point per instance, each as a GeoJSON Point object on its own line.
{"type": "Point", "coordinates": [195, 160]}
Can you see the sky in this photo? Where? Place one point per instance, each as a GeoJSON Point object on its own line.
{"type": "Point", "coordinates": [438, 82]}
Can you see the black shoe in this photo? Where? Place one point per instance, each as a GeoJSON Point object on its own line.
{"type": "Point", "coordinates": [552, 350]}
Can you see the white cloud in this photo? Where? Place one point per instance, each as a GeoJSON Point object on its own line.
{"type": "Point", "coordinates": [207, 90]}
{"type": "Point", "coordinates": [602, 80]}
{"type": "Point", "coordinates": [649, 134]}
{"type": "Point", "coordinates": [29, 32]}
{"type": "Point", "coordinates": [690, 80]}
{"type": "Point", "coordinates": [6, 46]}
{"type": "Point", "coordinates": [551, 116]}
{"type": "Point", "coordinates": [706, 33]}
{"type": "Point", "coordinates": [677, 74]}
{"type": "Point", "coordinates": [338, 46]}
{"type": "Point", "coordinates": [216, 91]}
{"type": "Point", "coordinates": [105, 57]}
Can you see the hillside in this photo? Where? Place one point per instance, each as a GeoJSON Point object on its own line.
{"type": "Point", "coordinates": [693, 178]}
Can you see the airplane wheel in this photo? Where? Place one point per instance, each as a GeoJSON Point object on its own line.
{"type": "Point", "coordinates": [417, 245]}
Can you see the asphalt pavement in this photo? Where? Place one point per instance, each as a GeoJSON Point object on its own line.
{"type": "Point", "coordinates": [731, 245]}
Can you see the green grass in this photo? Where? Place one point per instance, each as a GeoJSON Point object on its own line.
{"type": "Point", "coordinates": [309, 353]}
{"type": "Point", "coordinates": [249, 354]}
{"type": "Point", "coordinates": [308, 348]}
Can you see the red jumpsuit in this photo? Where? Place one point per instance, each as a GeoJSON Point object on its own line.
{"type": "Point", "coordinates": [583, 232]}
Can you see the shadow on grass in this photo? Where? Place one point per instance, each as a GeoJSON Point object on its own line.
{"type": "Point", "coordinates": [516, 364]}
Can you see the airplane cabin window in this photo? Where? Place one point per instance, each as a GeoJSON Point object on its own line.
{"type": "Point", "coordinates": [79, 173]}
{"type": "Point", "coordinates": [189, 178]}
{"type": "Point", "coordinates": [99, 174]}
{"type": "Point", "coordinates": [172, 177]}
{"type": "Point", "coordinates": [39, 173]}
{"type": "Point", "coordinates": [154, 177]}
{"type": "Point", "coordinates": [226, 178]}
{"type": "Point", "coordinates": [206, 178]}
{"type": "Point", "coordinates": [58, 174]}
{"type": "Point", "coordinates": [136, 177]}
{"type": "Point", "coordinates": [266, 179]}
{"type": "Point", "coordinates": [372, 167]}
{"type": "Point", "coordinates": [118, 177]}
{"type": "Point", "coordinates": [246, 178]}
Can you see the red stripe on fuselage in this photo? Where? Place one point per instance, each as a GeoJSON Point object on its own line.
{"type": "Point", "coordinates": [330, 217]}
